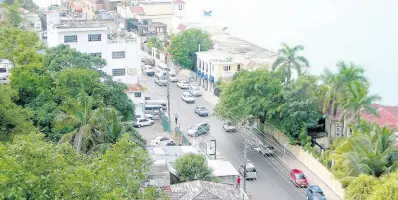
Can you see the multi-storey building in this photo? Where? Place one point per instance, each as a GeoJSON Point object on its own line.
{"type": "Point", "coordinates": [5, 67]}
{"type": "Point", "coordinates": [101, 38]}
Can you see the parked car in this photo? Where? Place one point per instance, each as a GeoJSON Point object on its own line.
{"type": "Point", "coordinates": [162, 141]}
{"type": "Point", "coordinates": [199, 129]}
{"type": "Point", "coordinates": [251, 172]}
{"type": "Point", "coordinates": [201, 111]}
{"type": "Point", "coordinates": [183, 84]}
{"type": "Point", "coordinates": [173, 78]}
{"type": "Point", "coordinates": [265, 150]}
{"type": "Point", "coordinates": [140, 122]}
{"type": "Point", "coordinates": [187, 97]}
{"type": "Point", "coordinates": [194, 90]}
{"type": "Point", "coordinates": [314, 192]}
{"type": "Point", "coordinates": [229, 127]}
{"type": "Point", "coordinates": [298, 178]}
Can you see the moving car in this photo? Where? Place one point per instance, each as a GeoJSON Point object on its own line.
{"type": "Point", "coordinates": [194, 90]}
{"type": "Point", "coordinates": [160, 79]}
{"type": "Point", "coordinates": [229, 127]}
{"type": "Point", "coordinates": [298, 179]}
{"type": "Point", "coordinates": [140, 122]}
{"type": "Point", "coordinates": [173, 78]}
{"type": "Point", "coordinates": [251, 172]}
{"type": "Point", "coordinates": [314, 192]}
{"type": "Point", "coordinates": [265, 150]}
{"type": "Point", "coordinates": [199, 129]}
{"type": "Point", "coordinates": [183, 84]}
{"type": "Point", "coordinates": [187, 97]}
{"type": "Point", "coordinates": [201, 111]}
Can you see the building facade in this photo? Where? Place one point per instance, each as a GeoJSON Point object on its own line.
{"type": "Point", "coordinates": [5, 67]}
{"type": "Point", "coordinates": [120, 49]}
{"type": "Point", "coordinates": [136, 93]}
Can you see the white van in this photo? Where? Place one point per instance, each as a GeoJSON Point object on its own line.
{"type": "Point", "coordinates": [251, 172]}
{"type": "Point", "coordinates": [152, 109]}
{"type": "Point", "coordinates": [160, 79]}
{"type": "Point", "coordinates": [157, 102]}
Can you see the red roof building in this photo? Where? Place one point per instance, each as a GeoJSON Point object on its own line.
{"type": "Point", "coordinates": [137, 9]}
{"type": "Point", "coordinates": [388, 116]}
{"type": "Point", "coordinates": [179, 2]}
{"type": "Point", "coordinates": [181, 27]}
{"type": "Point", "coordinates": [134, 88]}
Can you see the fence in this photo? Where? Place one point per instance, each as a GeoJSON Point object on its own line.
{"type": "Point", "coordinates": [312, 163]}
{"type": "Point", "coordinates": [178, 135]}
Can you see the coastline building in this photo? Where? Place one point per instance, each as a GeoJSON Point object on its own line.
{"type": "Point", "coordinates": [100, 38]}
{"type": "Point", "coordinates": [228, 56]}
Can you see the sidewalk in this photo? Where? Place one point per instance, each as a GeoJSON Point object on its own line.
{"type": "Point", "coordinates": [289, 161]}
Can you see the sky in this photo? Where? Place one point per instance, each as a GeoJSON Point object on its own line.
{"type": "Point", "coordinates": [364, 32]}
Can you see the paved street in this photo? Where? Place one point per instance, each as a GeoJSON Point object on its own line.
{"type": "Point", "coordinates": [272, 182]}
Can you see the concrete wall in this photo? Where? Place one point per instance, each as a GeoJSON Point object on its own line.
{"type": "Point", "coordinates": [312, 163]}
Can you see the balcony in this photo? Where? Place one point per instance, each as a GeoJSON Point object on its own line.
{"type": "Point", "coordinates": [228, 74]}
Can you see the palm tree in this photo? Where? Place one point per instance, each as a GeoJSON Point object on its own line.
{"type": "Point", "coordinates": [369, 153]}
{"type": "Point", "coordinates": [288, 59]}
{"type": "Point", "coordinates": [358, 100]}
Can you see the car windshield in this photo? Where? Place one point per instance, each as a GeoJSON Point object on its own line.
{"type": "Point", "coordinates": [300, 176]}
{"type": "Point", "coordinates": [187, 95]}
{"type": "Point", "coordinates": [201, 108]}
{"type": "Point", "coordinates": [195, 88]}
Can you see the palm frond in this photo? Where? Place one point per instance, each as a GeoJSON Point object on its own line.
{"type": "Point", "coordinates": [303, 60]}
{"type": "Point", "coordinates": [279, 61]}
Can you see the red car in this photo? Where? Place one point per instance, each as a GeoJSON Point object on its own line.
{"type": "Point", "coordinates": [298, 178]}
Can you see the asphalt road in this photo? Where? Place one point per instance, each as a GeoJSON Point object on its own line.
{"type": "Point", "coordinates": [272, 182]}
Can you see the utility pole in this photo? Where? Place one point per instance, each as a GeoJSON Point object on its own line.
{"type": "Point", "coordinates": [245, 159]}
{"type": "Point", "coordinates": [168, 93]}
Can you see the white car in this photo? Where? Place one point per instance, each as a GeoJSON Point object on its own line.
{"type": "Point", "coordinates": [161, 141]}
{"type": "Point", "coordinates": [142, 122]}
{"type": "Point", "coordinates": [187, 97]}
{"type": "Point", "coordinates": [183, 84]}
{"type": "Point", "coordinates": [173, 78]}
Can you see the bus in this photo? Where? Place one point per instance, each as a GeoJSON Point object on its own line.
{"type": "Point", "coordinates": [163, 103]}
{"type": "Point", "coordinates": [160, 79]}
{"type": "Point", "coordinates": [153, 109]}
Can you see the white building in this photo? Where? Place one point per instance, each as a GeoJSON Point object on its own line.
{"type": "Point", "coordinates": [120, 49]}
{"type": "Point", "coordinates": [5, 67]}
{"type": "Point", "coordinates": [137, 94]}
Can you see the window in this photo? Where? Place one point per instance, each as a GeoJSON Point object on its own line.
{"type": "Point", "coordinates": [95, 54]}
{"type": "Point", "coordinates": [3, 70]}
{"type": "Point", "coordinates": [137, 94]}
{"type": "Point", "coordinates": [227, 68]}
{"type": "Point", "coordinates": [70, 38]}
{"type": "Point", "coordinates": [180, 7]}
{"type": "Point", "coordinates": [118, 55]}
{"type": "Point", "coordinates": [94, 37]}
{"type": "Point", "coordinates": [118, 72]}
{"type": "Point", "coordinates": [238, 67]}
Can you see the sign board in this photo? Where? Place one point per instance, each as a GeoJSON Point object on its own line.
{"type": "Point", "coordinates": [211, 147]}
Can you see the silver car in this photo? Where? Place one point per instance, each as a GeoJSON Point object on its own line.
{"type": "Point", "coordinates": [201, 111]}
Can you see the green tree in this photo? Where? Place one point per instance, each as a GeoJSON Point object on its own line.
{"type": "Point", "coordinates": [12, 16]}
{"type": "Point", "coordinates": [361, 188]}
{"type": "Point", "coordinates": [155, 42]}
{"type": "Point", "coordinates": [13, 118]}
{"type": "Point", "coordinates": [288, 59]}
{"type": "Point", "coordinates": [29, 5]}
{"type": "Point", "coordinates": [183, 47]}
{"type": "Point", "coordinates": [63, 57]}
{"type": "Point", "coordinates": [372, 153]}
{"type": "Point", "coordinates": [34, 169]}
{"type": "Point", "coordinates": [114, 95]}
{"type": "Point", "coordinates": [193, 167]}
{"type": "Point", "coordinates": [387, 189]}
{"type": "Point", "coordinates": [19, 46]}
{"type": "Point", "coordinates": [255, 93]}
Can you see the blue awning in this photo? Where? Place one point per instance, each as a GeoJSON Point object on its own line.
{"type": "Point", "coordinates": [211, 79]}
{"type": "Point", "coordinates": [201, 75]}
{"type": "Point", "coordinates": [206, 77]}
{"type": "Point", "coordinates": [198, 72]}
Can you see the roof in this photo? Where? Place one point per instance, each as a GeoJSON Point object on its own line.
{"type": "Point", "coordinates": [137, 9]}
{"type": "Point", "coordinates": [181, 27]}
{"type": "Point", "coordinates": [179, 2]}
{"type": "Point", "coordinates": [222, 168]}
{"type": "Point", "coordinates": [201, 190]}
{"type": "Point", "coordinates": [135, 88]}
{"type": "Point", "coordinates": [388, 116]}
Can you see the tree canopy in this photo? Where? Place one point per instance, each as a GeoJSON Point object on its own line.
{"type": "Point", "coordinates": [193, 167]}
{"type": "Point", "coordinates": [183, 47]}
{"type": "Point", "coordinates": [288, 59]}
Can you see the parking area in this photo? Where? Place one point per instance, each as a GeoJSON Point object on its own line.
{"type": "Point", "coordinates": [150, 132]}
